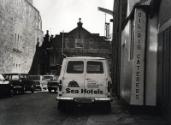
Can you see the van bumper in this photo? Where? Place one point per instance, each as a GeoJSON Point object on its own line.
{"type": "Point", "coordinates": [84, 100]}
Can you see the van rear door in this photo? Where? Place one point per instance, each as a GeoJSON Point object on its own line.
{"type": "Point", "coordinates": [73, 81]}
{"type": "Point", "coordinates": [95, 80]}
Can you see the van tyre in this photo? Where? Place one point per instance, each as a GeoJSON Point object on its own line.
{"type": "Point", "coordinates": [49, 90]}
{"type": "Point", "coordinates": [61, 106]}
{"type": "Point", "coordinates": [107, 107]}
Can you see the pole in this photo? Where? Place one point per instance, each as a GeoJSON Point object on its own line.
{"type": "Point", "coordinates": [62, 43]}
{"type": "Point", "coordinates": [105, 26]}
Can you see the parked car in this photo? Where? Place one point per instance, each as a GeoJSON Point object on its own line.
{"type": "Point", "coordinates": [84, 80]}
{"type": "Point", "coordinates": [53, 85]}
{"type": "Point", "coordinates": [29, 85]}
{"type": "Point", "coordinates": [38, 81]}
{"type": "Point", "coordinates": [5, 87]}
{"type": "Point", "coordinates": [45, 80]}
{"type": "Point", "coordinates": [20, 82]}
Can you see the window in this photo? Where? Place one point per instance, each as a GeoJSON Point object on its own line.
{"type": "Point", "coordinates": [94, 67]}
{"type": "Point", "coordinates": [79, 43]}
{"type": "Point", "coordinates": [75, 67]}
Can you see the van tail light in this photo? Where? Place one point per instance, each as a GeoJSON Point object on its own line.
{"type": "Point", "coordinates": [60, 86]}
{"type": "Point", "coordinates": [109, 86]}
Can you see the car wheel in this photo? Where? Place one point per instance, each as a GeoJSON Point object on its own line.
{"type": "Point", "coordinates": [32, 91]}
{"type": "Point", "coordinates": [55, 90]}
{"type": "Point", "coordinates": [23, 90]}
{"type": "Point", "coordinates": [49, 90]}
{"type": "Point", "coordinates": [12, 92]}
{"type": "Point", "coordinates": [15, 92]}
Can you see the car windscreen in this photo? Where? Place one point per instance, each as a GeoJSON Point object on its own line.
{"type": "Point", "coordinates": [1, 77]}
{"type": "Point", "coordinates": [47, 78]}
{"type": "Point", "coordinates": [15, 77]}
{"type": "Point", "coordinates": [94, 67]}
{"type": "Point", "coordinates": [75, 67]}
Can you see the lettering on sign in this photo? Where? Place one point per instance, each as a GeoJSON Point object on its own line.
{"type": "Point", "coordinates": [138, 64]}
{"type": "Point", "coordinates": [83, 91]}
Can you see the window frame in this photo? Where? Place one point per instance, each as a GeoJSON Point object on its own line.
{"type": "Point", "coordinates": [81, 72]}
{"type": "Point", "coordinates": [95, 72]}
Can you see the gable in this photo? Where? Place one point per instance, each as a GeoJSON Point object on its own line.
{"type": "Point", "coordinates": [79, 32]}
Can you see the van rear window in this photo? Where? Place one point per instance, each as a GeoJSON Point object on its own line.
{"type": "Point", "coordinates": [94, 67]}
{"type": "Point", "coordinates": [75, 67]}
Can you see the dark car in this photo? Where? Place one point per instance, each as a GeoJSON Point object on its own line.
{"type": "Point", "coordinates": [29, 85]}
{"type": "Point", "coordinates": [37, 80]}
{"type": "Point", "coordinates": [20, 82]}
{"type": "Point", "coordinates": [52, 84]}
{"type": "Point", "coordinates": [5, 87]}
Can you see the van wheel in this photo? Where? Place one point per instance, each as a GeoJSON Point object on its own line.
{"type": "Point", "coordinates": [61, 106]}
{"type": "Point", "coordinates": [107, 107]}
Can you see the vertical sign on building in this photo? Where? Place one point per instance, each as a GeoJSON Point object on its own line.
{"type": "Point", "coordinates": [107, 30]}
{"type": "Point", "coordinates": [137, 95]}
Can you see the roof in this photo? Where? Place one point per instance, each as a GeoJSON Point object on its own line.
{"type": "Point", "coordinates": [86, 57]}
{"type": "Point", "coordinates": [15, 73]}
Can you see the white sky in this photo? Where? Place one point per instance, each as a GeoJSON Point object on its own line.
{"type": "Point", "coordinates": [59, 15]}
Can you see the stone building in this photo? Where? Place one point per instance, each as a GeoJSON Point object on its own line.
{"type": "Point", "coordinates": [78, 42]}
{"type": "Point", "coordinates": [20, 30]}
{"type": "Point", "coordinates": [40, 65]}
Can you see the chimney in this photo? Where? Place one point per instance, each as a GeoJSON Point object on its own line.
{"type": "Point", "coordinates": [79, 24]}
{"type": "Point", "coordinates": [47, 33]}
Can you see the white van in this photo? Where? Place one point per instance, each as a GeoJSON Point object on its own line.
{"type": "Point", "coordinates": [84, 80]}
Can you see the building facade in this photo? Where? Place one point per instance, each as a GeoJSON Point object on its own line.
{"type": "Point", "coordinates": [78, 42]}
{"type": "Point", "coordinates": [144, 52]}
{"type": "Point", "coordinates": [164, 58]}
{"type": "Point", "coordinates": [20, 30]}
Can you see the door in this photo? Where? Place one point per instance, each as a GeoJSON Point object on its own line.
{"type": "Point", "coordinates": [95, 79]}
{"type": "Point", "coordinates": [73, 80]}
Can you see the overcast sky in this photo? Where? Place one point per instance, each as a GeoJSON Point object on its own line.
{"type": "Point", "coordinates": [59, 15]}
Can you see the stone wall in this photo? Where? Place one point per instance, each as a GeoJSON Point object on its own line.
{"type": "Point", "coordinates": [20, 30]}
